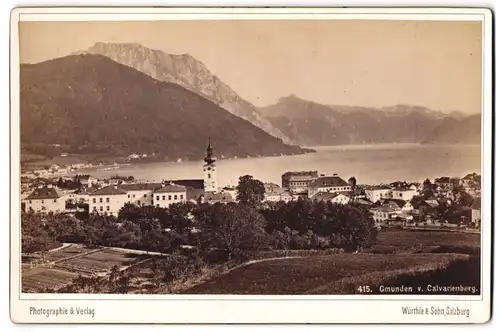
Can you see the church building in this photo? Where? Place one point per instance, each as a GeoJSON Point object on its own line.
{"type": "Point", "coordinates": [210, 170]}
{"type": "Point", "coordinates": [110, 199]}
{"type": "Point", "coordinates": [212, 194]}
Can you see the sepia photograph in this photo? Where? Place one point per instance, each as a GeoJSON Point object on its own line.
{"type": "Point", "coordinates": [261, 156]}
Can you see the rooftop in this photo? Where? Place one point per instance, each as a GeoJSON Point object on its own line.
{"type": "Point", "coordinates": [325, 196]}
{"type": "Point", "coordinates": [378, 188]}
{"type": "Point", "coordinates": [399, 202]}
{"type": "Point", "coordinates": [211, 197]}
{"type": "Point", "coordinates": [171, 188]}
{"type": "Point", "coordinates": [432, 203]}
{"type": "Point", "coordinates": [313, 174]}
{"type": "Point", "coordinates": [403, 189]}
{"type": "Point", "coordinates": [139, 186]}
{"type": "Point", "coordinates": [45, 193]}
{"type": "Point", "coordinates": [109, 190]}
{"type": "Point", "coordinates": [329, 181]}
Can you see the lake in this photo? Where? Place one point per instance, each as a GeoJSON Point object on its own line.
{"type": "Point", "coordinates": [370, 164]}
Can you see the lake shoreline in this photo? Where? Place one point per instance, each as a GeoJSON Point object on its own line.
{"type": "Point", "coordinates": [370, 165]}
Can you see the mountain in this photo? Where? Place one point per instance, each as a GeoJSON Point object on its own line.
{"type": "Point", "coordinates": [185, 71]}
{"type": "Point", "coordinates": [466, 130]}
{"type": "Point", "coordinates": [91, 104]}
{"type": "Point", "coordinates": [311, 123]}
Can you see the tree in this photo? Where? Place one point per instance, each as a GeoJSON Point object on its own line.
{"type": "Point", "coordinates": [179, 216]}
{"type": "Point", "coordinates": [35, 237]}
{"type": "Point", "coordinates": [465, 199]}
{"type": "Point", "coordinates": [428, 189]}
{"type": "Point", "coordinates": [235, 227]}
{"type": "Point", "coordinates": [250, 191]}
{"type": "Point", "coordinates": [130, 212]}
{"type": "Point", "coordinates": [352, 182]}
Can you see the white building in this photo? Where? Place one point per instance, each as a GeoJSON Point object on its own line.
{"type": "Point", "coordinates": [140, 193]}
{"type": "Point", "coordinates": [377, 193]}
{"type": "Point", "coordinates": [391, 212]}
{"type": "Point", "coordinates": [169, 194]}
{"type": "Point", "coordinates": [272, 192]}
{"type": "Point", "coordinates": [45, 199]}
{"type": "Point", "coordinates": [85, 179]}
{"type": "Point", "coordinates": [403, 194]}
{"type": "Point", "coordinates": [108, 200]}
{"type": "Point", "coordinates": [333, 197]}
{"type": "Point", "coordinates": [331, 184]}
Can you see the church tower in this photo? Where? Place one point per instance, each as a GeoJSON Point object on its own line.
{"type": "Point", "coordinates": [210, 170]}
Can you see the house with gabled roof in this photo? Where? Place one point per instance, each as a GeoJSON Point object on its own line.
{"type": "Point", "coordinates": [333, 184]}
{"type": "Point", "coordinates": [217, 197]}
{"type": "Point", "coordinates": [404, 205]}
{"type": "Point", "coordinates": [404, 194]}
{"type": "Point", "coordinates": [377, 193]}
{"type": "Point", "coordinates": [298, 182]}
{"type": "Point", "coordinates": [169, 194]}
{"type": "Point", "coordinates": [108, 200]}
{"type": "Point", "coordinates": [333, 197]}
{"type": "Point", "coordinates": [45, 199]}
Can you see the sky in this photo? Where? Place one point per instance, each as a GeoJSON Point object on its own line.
{"type": "Point", "coordinates": [343, 62]}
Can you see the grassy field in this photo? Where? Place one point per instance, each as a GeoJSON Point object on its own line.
{"type": "Point", "coordinates": [315, 275]}
{"type": "Point", "coordinates": [398, 256]}
{"type": "Point", "coordinates": [392, 241]}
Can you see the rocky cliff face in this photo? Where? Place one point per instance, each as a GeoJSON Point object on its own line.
{"type": "Point", "coordinates": [187, 72]}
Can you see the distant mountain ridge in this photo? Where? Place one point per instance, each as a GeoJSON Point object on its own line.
{"type": "Point", "coordinates": [311, 123]}
{"type": "Point", "coordinates": [185, 71]}
{"type": "Point", "coordinates": [91, 104]}
{"type": "Point", "coordinates": [466, 130]}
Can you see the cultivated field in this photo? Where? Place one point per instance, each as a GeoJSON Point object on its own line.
{"type": "Point", "coordinates": [67, 252]}
{"type": "Point", "coordinates": [100, 261]}
{"type": "Point", "coordinates": [39, 279]}
{"type": "Point", "coordinates": [72, 261]}
{"type": "Point", "coordinates": [316, 275]}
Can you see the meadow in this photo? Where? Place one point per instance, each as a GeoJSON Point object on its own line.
{"type": "Point", "coordinates": [398, 257]}
{"type": "Point", "coordinates": [316, 275]}
{"type": "Point", "coordinates": [397, 240]}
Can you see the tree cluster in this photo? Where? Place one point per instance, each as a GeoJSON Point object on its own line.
{"type": "Point", "coordinates": [306, 224]}
{"type": "Point", "coordinates": [69, 184]}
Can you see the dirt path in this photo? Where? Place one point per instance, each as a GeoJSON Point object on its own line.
{"type": "Point", "coordinates": [211, 275]}
{"type": "Point", "coordinates": [64, 245]}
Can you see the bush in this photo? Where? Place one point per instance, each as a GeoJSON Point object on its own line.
{"type": "Point", "coordinates": [295, 253]}
{"type": "Point", "coordinates": [468, 250]}
{"type": "Point", "coordinates": [381, 249]}
{"type": "Point", "coordinates": [216, 256]}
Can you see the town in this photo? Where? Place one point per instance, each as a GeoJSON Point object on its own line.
{"type": "Point", "coordinates": [445, 202]}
